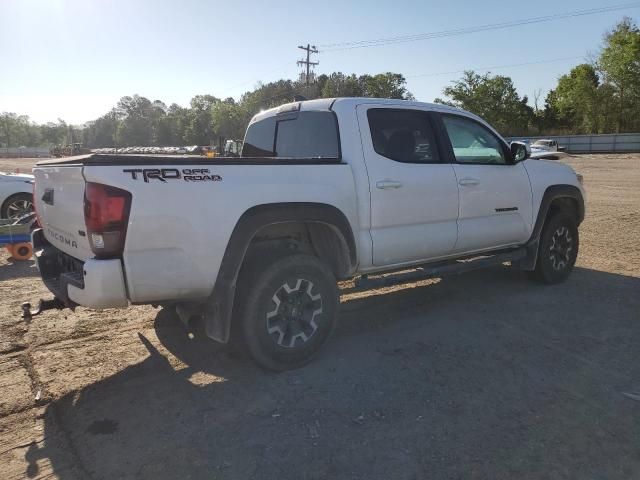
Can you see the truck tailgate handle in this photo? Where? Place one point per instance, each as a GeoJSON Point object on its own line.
{"type": "Point", "coordinates": [386, 184]}
{"type": "Point", "coordinates": [47, 197]}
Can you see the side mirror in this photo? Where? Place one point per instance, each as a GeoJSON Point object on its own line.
{"type": "Point", "coordinates": [519, 151]}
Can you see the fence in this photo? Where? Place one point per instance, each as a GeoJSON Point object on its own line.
{"type": "Point", "coordinates": [612, 143]}
{"type": "Point", "coordinates": [24, 152]}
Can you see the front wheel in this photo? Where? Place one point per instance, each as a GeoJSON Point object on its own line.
{"type": "Point", "coordinates": [558, 250]}
{"type": "Point", "coordinates": [288, 310]}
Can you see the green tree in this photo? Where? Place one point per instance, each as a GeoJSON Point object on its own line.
{"type": "Point", "coordinates": [229, 119]}
{"type": "Point", "coordinates": [619, 63]}
{"type": "Point", "coordinates": [269, 95]}
{"type": "Point", "coordinates": [340, 85]}
{"type": "Point", "coordinates": [17, 130]}
{"type": "Point", "coordinates": [576, 100]}
{"type": "Point", "coordinates": [53, 133]}
{"type": "Point", "coordinates": [135, 127]}
{"type": "Point", "coordinates": [385, 85]}
{"type": "Point", "coordinates": [382, 85]}
{"type": "Point", "coordinates": [101, 132]}
{"type": "Point", "coordinates": [171, 127]}
{"type": "Point", "coordinates": [198, 123]}
{"type": "Point", "coordinates": [493, 98]}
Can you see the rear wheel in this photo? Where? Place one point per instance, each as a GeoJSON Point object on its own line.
{"type": "Point", "coordinates": [17, 206]}
{"type": "Point", "coordinates": [558, 249]}
{"type": "Point", "coordinates": [288, 310]}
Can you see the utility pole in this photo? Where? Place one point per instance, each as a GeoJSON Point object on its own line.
{"type": "Point", "coordinates": [309, 49]}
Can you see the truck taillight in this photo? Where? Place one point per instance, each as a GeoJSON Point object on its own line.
{"type": "Point", "coordinates": [106, 215]}
{"type": "Point", "coordinates": [35, 207]}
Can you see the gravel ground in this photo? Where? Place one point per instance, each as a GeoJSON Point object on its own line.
{"type": "Point", "coordinates": [483, 375]}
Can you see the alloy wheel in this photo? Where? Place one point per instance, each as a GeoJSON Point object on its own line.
{"type": "Point", "coordinates": [292, 320]}
{"type": "Point", "coordinates": [560, 248]}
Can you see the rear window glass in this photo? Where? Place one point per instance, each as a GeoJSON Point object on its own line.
{"type": "Point", "coordinates": [258, 142]}
{"type": "Point", "coordinates": [301, 135]}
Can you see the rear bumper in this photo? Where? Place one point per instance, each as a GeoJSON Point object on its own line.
{"type": "Point", "coordinates": [93, 283]}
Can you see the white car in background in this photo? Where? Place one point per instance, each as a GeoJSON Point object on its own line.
{"type": "Point", "coordinates": [546, 145]}
{"type": "Point", "coordinates": [547, 150]}
{"type": "Point", "coordinates": [16, 194]}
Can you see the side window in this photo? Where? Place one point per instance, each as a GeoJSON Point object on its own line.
{"type": "Point", "coordinates": [402, 135]}
{"type": "Point", "coordinates": [311, 134]}
{"type": "Point", "coordinates": [258, 142]}
{"type": "Point", "coordinates": [308, 135]}
{"type": "Point", "coordinates": [473, 143]}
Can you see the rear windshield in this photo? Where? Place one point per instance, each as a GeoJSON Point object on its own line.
{"type": "Point", "coordinates": [298, 135]}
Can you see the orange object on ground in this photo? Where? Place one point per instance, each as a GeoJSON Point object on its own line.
{"type": "Point", "coordinates": [21, 251]}
{"type": "Point", "coordinates": [9, 249]}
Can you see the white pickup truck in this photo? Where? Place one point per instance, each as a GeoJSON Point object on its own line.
{"type": "Point", "coordinates": [324, 190]}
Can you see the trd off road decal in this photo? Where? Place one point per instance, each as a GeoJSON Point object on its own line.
{"type": "Point", "coordinates": [164, 174]}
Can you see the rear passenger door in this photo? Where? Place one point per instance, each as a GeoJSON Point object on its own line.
{"type": "Point", "coordinates": [414, 195]}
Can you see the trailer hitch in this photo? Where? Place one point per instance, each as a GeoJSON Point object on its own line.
{"type": "Point", "coordinates": [43, 305]}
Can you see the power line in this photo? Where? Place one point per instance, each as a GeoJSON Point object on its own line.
{"type": "Point", "coordinates": [495, 67]}
{"type": "Point", "coordinates": [334, 47]}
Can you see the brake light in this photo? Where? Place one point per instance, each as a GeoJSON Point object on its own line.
{"type": "Point", "coordinates": [106, 215]}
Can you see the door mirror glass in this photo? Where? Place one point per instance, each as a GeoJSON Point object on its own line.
{"type": "Point", "coordinates": [519, 151]}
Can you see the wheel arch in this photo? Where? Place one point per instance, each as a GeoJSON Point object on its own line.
{"type": "Point", "coordinates": [331, 238]}
{"type": "Point", "coordinates": [563, 198]}
{"type": "Point", "coordinates": [566, 198]}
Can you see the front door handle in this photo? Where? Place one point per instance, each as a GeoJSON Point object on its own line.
{"type": "Point", "coordinates": [386, 184]}
{"type": "Point", "coordinates": [468, 182]}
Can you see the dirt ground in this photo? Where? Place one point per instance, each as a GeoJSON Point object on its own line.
{"type": "Point", "coordinates": [484, 375]}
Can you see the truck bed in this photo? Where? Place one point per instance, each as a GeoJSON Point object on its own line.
{"type": "Point", "coordinates": [183, 209]}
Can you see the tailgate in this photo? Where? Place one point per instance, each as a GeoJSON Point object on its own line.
{"type": "Point", "coordinates": [59, 201]}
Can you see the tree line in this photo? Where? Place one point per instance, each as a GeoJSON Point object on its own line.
{"type": "Point", "coordinates": [602, 96]}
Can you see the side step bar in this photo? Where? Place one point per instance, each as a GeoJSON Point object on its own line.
{"type": "Point", "coordinates": [432, 270]}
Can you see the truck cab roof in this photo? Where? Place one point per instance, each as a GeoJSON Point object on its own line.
{"type": "Point", "coordinates": [333, 103]}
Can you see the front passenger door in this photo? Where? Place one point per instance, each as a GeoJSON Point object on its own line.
{"type": "Point", "coordinates": [494, 193]}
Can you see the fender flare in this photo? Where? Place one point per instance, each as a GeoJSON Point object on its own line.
{"type": "Point", "coordinates": [219, 306]}
{"type": "Point", "coordinates": [552, 193]}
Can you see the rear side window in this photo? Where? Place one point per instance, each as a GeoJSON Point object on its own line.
{"type": "Point", "coordinates": [402, 135]}
{"type": "Point", "coordinates": [299, 135]}
{"type": "Point", "coordinates": [258, 142]}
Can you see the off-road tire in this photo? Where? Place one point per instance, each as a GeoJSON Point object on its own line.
{"type": "Point", "coordinates": [558, 250]}
{"type": "Point", "coordinates": [288, 309]}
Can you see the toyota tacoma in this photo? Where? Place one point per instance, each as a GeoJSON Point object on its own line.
{"type": "Point", "coordinates": [324, 190]}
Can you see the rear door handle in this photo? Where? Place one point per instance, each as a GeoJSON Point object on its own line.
{"type": "Point", "coordinates": [386, 184]}
{"type": "Point", "coordinates": [468, 182]}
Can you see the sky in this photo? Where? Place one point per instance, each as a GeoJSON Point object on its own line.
{"type": "Point", "coordinates": [73, 59]}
